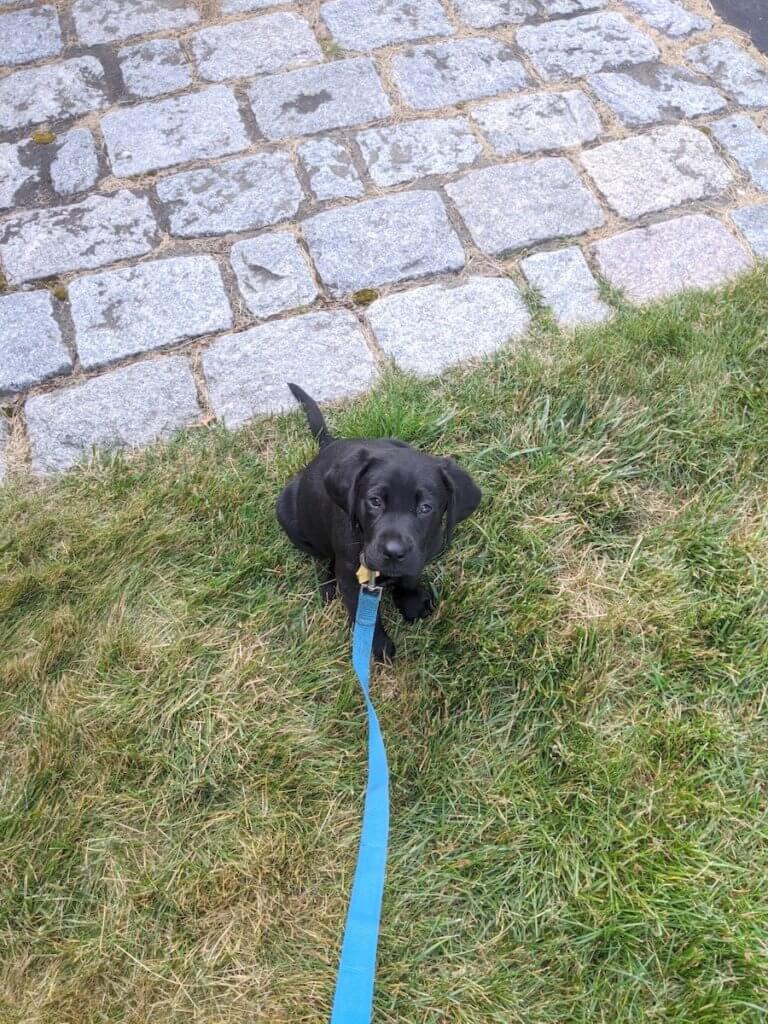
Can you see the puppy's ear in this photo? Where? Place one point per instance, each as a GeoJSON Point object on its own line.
{"type": "Point", "coordinates": [463, 496]}
{"type": "Point", "coordinates": [343, 478]}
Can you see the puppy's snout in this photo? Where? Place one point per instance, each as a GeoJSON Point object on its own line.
{"type": "Point", "coordinates": [395, 549]}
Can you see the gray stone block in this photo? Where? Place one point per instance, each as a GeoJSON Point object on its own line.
{"type": "Point", "coordinates": [335, 95]}
{"type": "Point", "coordinates": [29, 35]}
{"type": "Point", "coordinates": [656, 171]}
{"type": "Point", "coordinates": [82, 236]}
{"type": "Point", "coordinates": [647, 94]}
{"type": "Point", "coordinates": [443, 74]}
{"type": "Point", "coordinates": [70, 163]}
{"type": "Point", "coordinates": [75, 167]}
{"type": "Point", "coordinates": [245, 6]}
{"type": "Point", "coordinates": [566, 285]}
{"type": "Point", "coordinates": [425, 330]}
{"type": "Point", "coordinates": [174, 131]}
{"type": "Point", "coordinates": [272, 274]}
{"type": "Point", "coordinates": [582, 46]}
{"type": "Point", "coordinates": [512, 206]}
{"type": "Point", "coordinates": [31, 349]}
{"type": "Point", "coordinates": [554, 8]}
{"type": "Point", "coordinates": [19, 174]}
{"type": "Point", "coordinates": [126, 408]}
{"type": "Point", "coordinates": [734, 70]}
{"type": "Point", "coordinates": [51, 93]}
{"type": "Point", "coordinates": [752, 221]}
{"type": "Point", "coordinates": [123, 312]}
{"type": "Point", "coordinates": [673, 256]}
{"type": "Point", "coordinates": [746, 144]}
{"type": "Point", "coordinates": [540, 121]}
{"type": "Point", "coordinates": [258, 46]}
{"type": "Point", "coordinates": [237, 195]}
{"type": "Point", "coordinates": [330, 169]}
{"type": "Point", "coordinates": [669, 16]}
{"type": "Point", "coordinates": [368, 24]}
{"type": "Point", "coordinates": [105, 21]}
{"type": "Point", "coordinates": [154, 67]}
{"type": "Point", "coordinates": [381, 241]}
{"type": "Point", "coordinates": [325, 353]}
{"type": "Point", "coordinates": [416, 149]}
{"type": "Point", "coordinates": [490, 13]}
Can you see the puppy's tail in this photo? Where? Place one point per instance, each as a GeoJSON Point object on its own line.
{"type": "Point", "coordinates": [315, 419]}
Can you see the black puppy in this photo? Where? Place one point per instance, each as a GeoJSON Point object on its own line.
{"type": "Point", "coordinates": [377, 503]}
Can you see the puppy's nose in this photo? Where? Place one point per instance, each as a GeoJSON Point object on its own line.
{"type": "Point", "coordinates": [394, 549]}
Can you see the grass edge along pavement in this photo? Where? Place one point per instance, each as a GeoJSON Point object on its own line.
{"type": "Point", "coordinates": [576, 739]}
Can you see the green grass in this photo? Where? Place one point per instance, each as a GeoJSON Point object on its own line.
{"type": "Point", "coordinates": [577, 738]}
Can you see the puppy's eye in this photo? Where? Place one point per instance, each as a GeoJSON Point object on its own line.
{"type": "Point", "coordinates": [424, 509]}
{"type": "Point", "coordinates": [374, 502]}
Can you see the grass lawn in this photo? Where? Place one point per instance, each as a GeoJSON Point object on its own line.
{"type": "Point", "coordinates": [578, 738]}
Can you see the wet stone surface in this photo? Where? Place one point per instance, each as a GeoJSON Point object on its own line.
{"type": "Point", "coordinates": [369, 24]}
{"type": "Point", "coordinates": [29, 34]}
{"type": "Point", "coordinates": [652, 93]}
{"type": "Point", "coordinates": [331, 171]}
{"type": "Point", "coordinates": [256, 47]}
{"type": "Point", "coordinates": [416, 149]}
{"type": "Point", "coordinates": [154, 67]}
{"type": "Point", "coordinates": [106, 21]}
{"type": "Point", "coordinates": [52, 92]}
{"type": "Point", "coordinates": [29, 171]}
{"type": "Point", "coordinates": [582, 46]}
{"type": "Point", "coordinates": [272, 274]}
{"type": "Point", "coordinates": [538, 122]}
{"type": "Point", "coordinates": [747, 145]}
{"type": "Point", "coordinates": [31, 347]}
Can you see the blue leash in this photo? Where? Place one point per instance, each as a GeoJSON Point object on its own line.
{"type": "Point", "coordinates": [353, 999]}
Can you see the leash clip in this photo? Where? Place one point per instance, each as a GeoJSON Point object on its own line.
{"type": "Point", "coordinates": [367, 578]}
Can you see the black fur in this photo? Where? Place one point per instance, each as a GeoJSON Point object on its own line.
{"type": "Point", "coordinates": [379, 500]}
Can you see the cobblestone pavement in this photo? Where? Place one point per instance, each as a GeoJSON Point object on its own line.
{"type": "Point", "coordinates": [195, 193]}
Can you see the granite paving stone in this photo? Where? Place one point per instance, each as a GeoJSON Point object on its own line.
{"type": "Point", "coordinates": [652, 93]}
{"type": "Point", "coordinates": [540, 121]}
{"type": "Point", "coordinates": [107, 21]}
{"type": "Point", "coordinates": [154, 67]}
{"type": "Point", "coordinates": [424, 330]}
{"type": "Point", "coordinates": [746, 144]}
{"type": "Point", "coordinates": [18, 174]}
{"type": "Point", "coordinates": [69, 165]}
{"type": "Point", "coordinates": [752, 221]}
{"type": "Point", "coordinates": [581, 46]}
{"type": "Point", "coordinates": [75, 165]}
{"type": "Point", "coordinates": [151, 136]}
{"type": "Point", "coordinates": [335, 95]}
{"type": "Point", "coordinates": [733, 69]}
{"type": "Point", "coordinates": [441, 74]}
{"type": "Point", "coordinates": [414, 149]}
{"type": "Point", "coordinates": [31, 348]}
{"type": "Point", "coordinates": [330, 169]}
{"type": "Point", "coordinates": [368, 24]}
{"type": "Point", "coordinates": [567, 286]}
{"type": "Point", "coordinates": [236, 195]}
{"type": "Point", "coordinates": [120, 313]}
{"type": "Point", "coordinates": [555, 8]}
{"type": "Point", "coordinates": [53, 92]}
{"type": "Point", "coordinates": [258, 46]}
{"type": "Point", "coordinates": [324, 352]}
{"type": "Point", "coordinates": [512, 206]}
{"type": "Point", "coordinates": [245, 6]}
{"type": "Point", "coordinates": [381, 241]}
{"type": "Point", "coordinates": [272, 274]}
{"type": "Point", "coordinates": [125, 408]}
{"type": "Point", "coordinates": [5, 433]}
{"type": "Point", "coordinates": [669, 17]}
{"type": "Point", "coordinates": [676, 255]}
{"type": "Point", "coordinates": [656, 171]}
{"type": "Point", "coordinates": [29, 34]}
{"type": "Point", "coordinates": [491, 13]}
{"type": "Point", "coordinates": [81, 236]}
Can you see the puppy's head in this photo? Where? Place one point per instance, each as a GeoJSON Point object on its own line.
{"type": "Point", "coordinates": [404, 503]}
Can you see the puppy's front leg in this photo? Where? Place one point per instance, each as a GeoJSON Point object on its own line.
{"type": "Point", "coordinates": [412, 599]}
{"type": "Point", "coordinates": [383, 648]}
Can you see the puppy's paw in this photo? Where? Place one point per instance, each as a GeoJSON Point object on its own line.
{"type": "Point", "coordinates": [414, 604]}
{"type": "Point", "coordinates": [383, 649]}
